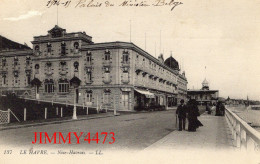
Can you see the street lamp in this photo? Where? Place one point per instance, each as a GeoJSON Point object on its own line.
{"type": "Point", "coordinates": [75, 82]}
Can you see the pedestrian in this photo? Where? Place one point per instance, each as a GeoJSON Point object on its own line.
{"type": "Point", "coordinates": [181, 112]}
{"type": "Point", "coordinates": [193, 113]}
{"type": "Point", "coordinates": [213, 109]}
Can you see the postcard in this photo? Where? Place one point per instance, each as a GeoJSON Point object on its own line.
{"type": "Point", "coordinates": [129, 81]}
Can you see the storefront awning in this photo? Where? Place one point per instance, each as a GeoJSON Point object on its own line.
{"type": "Point", "coordinates": [146, 93]}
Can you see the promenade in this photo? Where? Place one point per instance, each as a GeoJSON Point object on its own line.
{"type": "Point", "coordinates": [214, 135]}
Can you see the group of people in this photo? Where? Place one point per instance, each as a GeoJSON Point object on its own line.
{"type": "Point", "coordinates": [189, 111]}
{"type": "Point", "coordinates": [217, 110]}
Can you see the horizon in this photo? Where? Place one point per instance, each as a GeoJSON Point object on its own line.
{"type": "Point", "coordinates": [226, 46]}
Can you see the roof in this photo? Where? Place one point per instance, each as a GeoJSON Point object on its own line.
{"type": "Point", "coordinates": [205, 81]}
{"type": "Point", "coordinates": [172, 63]}
{"type": "Point", "coordinates": [126, 45]}
{"type": "Point", "coordinates": [201, 91]}
{"type": "Point", "coordinates": [7, 44]}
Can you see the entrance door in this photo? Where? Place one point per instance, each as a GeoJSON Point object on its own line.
{"type": "Point", "coordinates": [125, 100]}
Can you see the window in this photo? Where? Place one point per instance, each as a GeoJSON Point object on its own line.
{"type": "Point", "coordinates": [107, 55]}
{"type": "Point", "coordinates": [106, 96]}
{"type": "Point", "coordinates": [76, 45]}
{"type": "Point", "coordinates": [4, 79]}
{"type": "Point", "coordinates": [3, 62]}
{"type": "Point", "coordinates": [15, 61]}
{"type": "Point", "coordinates": [28, 79]}
{"type": "Point", "coordinates": [48, 48]}
{"type": "Point", "coordinates": [125, 57]}
{"type": "Point", "coordinates": [63, 65]}
{"type": "Point", "coordinates": [63, 86]}
{"type": "Point", "coordinates": [37, 48]}
{"type": "Point", "coordinates": [49, 86]}
{"type": "Point", "coordinates": [76, 66]}
{"type": "Point", "coordinates": [89, 58]}
{"type": "Point", "coordinates": [63, 48]}
{"type": "Point", "coordinates": [37, 68]}
{"type": "Point", "coordinates": [28, 61]}
{"type": "Point", "coordinates": [88, 97]}
{"type": "Point", "coordinates": [89, 76]}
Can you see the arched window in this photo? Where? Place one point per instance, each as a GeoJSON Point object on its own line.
{"type": "Point", "coordinates": [37, 67]}
{"type": "Point", "coordinates": [37, 48]}
{"type": "Point", "coordinates": [76, 45]}
{"type": "Point", "coordinates": [76, 66]}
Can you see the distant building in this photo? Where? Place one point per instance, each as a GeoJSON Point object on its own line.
{"type": "Point", "coordinates": [205, 95]}
{"type": "Point", "coordinates": [113, 74]}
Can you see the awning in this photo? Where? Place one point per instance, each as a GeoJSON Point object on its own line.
{"type": "Point", "coordinates": [146, 93]}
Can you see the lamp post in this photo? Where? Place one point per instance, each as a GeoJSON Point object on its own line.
{"type": "Point", "coordinates": [75, 82]}
{"type": "Point", "coordinates": [74, 117]}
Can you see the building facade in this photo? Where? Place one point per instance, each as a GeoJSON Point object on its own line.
{"type": "Point", "coordinates": [116, 75]}
{"type": "Point", "coordinates": [204, 96]}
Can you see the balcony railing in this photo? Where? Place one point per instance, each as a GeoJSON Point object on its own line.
{"type": "Point", "coordinates": [244, 135]}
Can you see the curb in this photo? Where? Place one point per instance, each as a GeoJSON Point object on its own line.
{"type": "Point", "coordinates": [51, 122]}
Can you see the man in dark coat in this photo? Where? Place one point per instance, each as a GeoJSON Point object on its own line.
{"type": "Point", "coordinates": [181, 112]}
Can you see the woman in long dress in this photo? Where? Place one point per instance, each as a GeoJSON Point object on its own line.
{"type": "Point", "coordinates": [193, 113]}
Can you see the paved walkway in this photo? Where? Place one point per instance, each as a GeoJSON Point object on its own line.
{"type": "Point", "coordinates": [214, 135]}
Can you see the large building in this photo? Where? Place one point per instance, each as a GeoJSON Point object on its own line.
{"type": "Point", "coordinates": [68, 67]}
{"type": "Point", "coordinates": [204, 95]}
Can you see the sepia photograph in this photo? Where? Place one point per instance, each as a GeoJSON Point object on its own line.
{"type": "Point", "coordinates": [130, 81]}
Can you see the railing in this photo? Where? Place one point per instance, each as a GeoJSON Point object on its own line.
{"type": "Point", "coordinates": [245, 137]}
{"type": "Point", "coordinates": [61, 103]}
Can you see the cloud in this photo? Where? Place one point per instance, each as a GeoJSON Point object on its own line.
{"type": "Point", "coordinates": [29, 14]}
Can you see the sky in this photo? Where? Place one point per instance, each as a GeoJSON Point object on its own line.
{"type": "Point", "coordinates": [221, 36]}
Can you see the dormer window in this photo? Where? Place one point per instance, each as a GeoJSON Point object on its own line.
{"type": "Point", "coordinates": [76, 45]}
{"type": "Point", "coordinates": [48, 48]}
{"type": "Point", "coordinates": [63, 48]}
{"type": "Point", "coordinates": [107, 55]}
